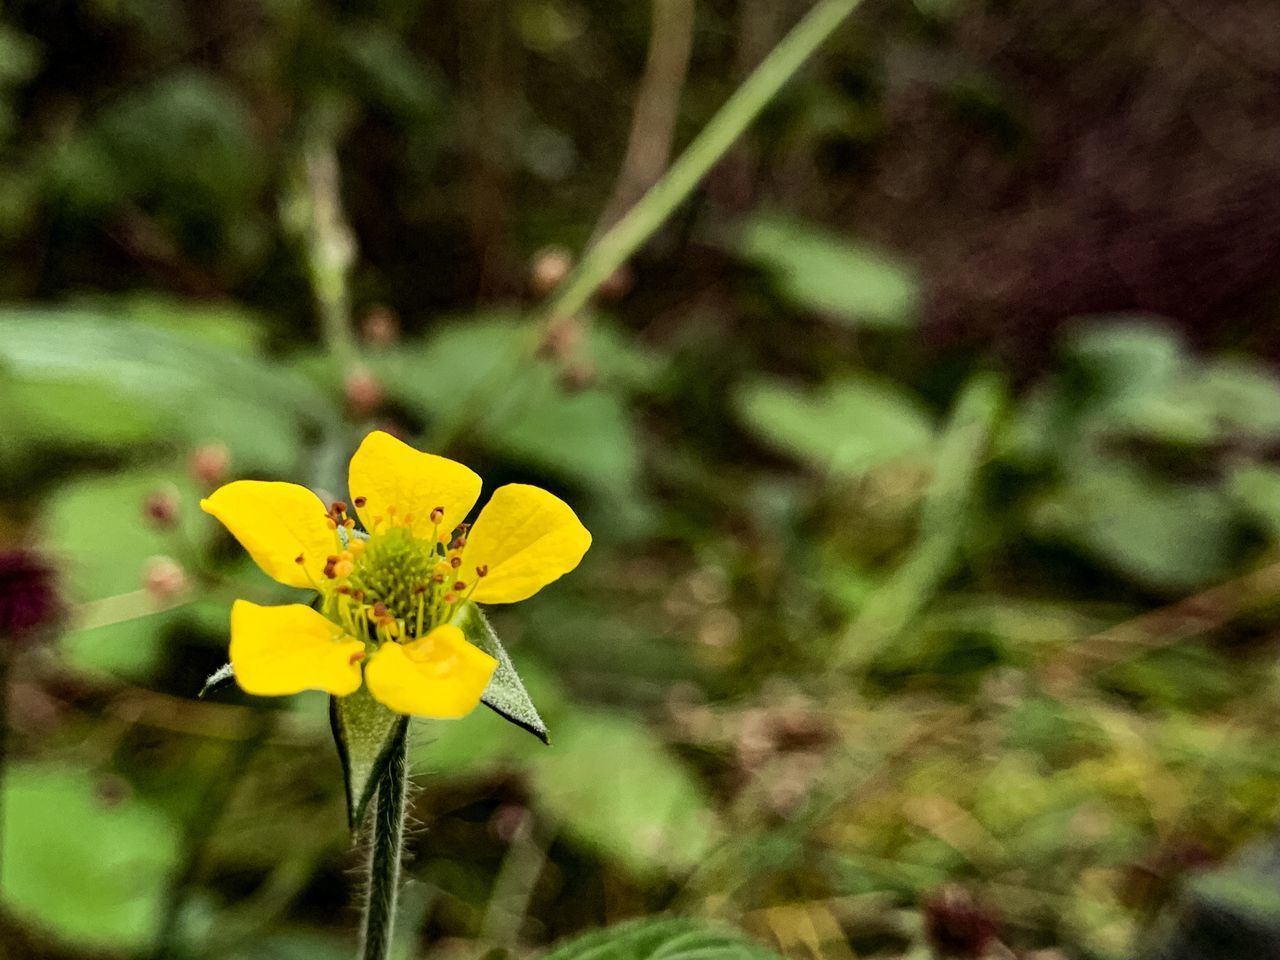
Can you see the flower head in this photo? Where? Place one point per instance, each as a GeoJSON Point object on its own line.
{"type": "Point", "coordinates": [387, 593]}
{"type": "Point", "coordinates": [29, 599]}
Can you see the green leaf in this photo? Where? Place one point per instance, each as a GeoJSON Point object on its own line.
{"type": "Point", "coordinates": [661, 939]}
{"type": "Point", "coordinates": [506, 695]}
{"type": "Point", "coordinates": [93, 871]}
{"type": "Point", "coordinates": [851, 283]}
{"type": "Point", "coordinates": [365, 733]}
{"type": "Point", "coordinates": [202, 390]}
{"type": "Point", "coordinates": [847, 428]}
{"type": "Point", "coordinates": [615, 785]}
{"type": "Point", "coordinates": [1162, 534]}
{"type": "Point", "coordinates": [1256, 489]}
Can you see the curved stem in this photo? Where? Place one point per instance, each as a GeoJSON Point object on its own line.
{"type": "Point", "coordinates": [385, 855]}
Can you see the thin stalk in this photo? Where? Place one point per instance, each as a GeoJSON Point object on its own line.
{"type": "Point", "coordinates": [387, 850]}
{"type": "Point", "coordinates": [620, 241]}
{"type": "Point", "coordinates": [729, 123]}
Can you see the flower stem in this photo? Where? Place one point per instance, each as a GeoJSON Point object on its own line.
{"type": "Point", "coordinates": [386, 854]}
{"type": "Point", "coordinates": [628, 234]}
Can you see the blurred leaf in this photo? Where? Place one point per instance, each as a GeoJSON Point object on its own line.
{"type": "Point", "coordinates": [524, 413]}
{"type": "Point", "coordinates": [184, 142]}
{"type": "Point", "coordinates": [848, 282]}
{"type": "Point", "coordinates": [505, 695]}
{"type": "Point", "coordinates": [1256, 488]}
{"type": "Point", "coordinates": [1115, 356]}
{"type": "Point", "coordinates": [365, 733]}
{"type": "Point", "coordinates": [661, 939]}
{"type": "Point", "coordinates": [849, 427]}
{"type": "Point", "coordinates": [90, 870]}
{"type": "Point", "coordinates": [1167, 535]}
{"type": "Point", "coordinates": [203, 391]}
{"type": "Point", "coordinates": [614, 785]}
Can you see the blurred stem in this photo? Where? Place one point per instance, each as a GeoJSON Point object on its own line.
{"type": "Point", "coordinates": [643, 220]}
{"type": "Point", "coordinates": [387, 851]}
{"type": "Point", "coordinates": [6, 660]}
{"type": "Point", "coordinates": [653, 123]}
{"type": "Point", "coordinates": [200, 828]}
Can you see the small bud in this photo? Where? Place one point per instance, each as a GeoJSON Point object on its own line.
{"type": "Point", "coordinates": [380, 327]}
{"type": "Point", "coordinates": [209, 463]}
{"type": "Point", "coordinates": [577, 377]}
{"type": "Point", "coordinates": [164, 578]}
{"type": "Point", "coordinates": [363, 393]}
{"type": "Point", "coordinates": [548, 267]}
{"type": "Point", "coordinates": [618, 285]}
{"type": "Point", "coordinates": [161, 507]}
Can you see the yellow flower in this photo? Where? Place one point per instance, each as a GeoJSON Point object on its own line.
{"type": "Point", "coordinates": [386, 602]}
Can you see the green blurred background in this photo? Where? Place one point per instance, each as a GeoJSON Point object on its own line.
{"type": "Point", "coordinates": [931, 450]}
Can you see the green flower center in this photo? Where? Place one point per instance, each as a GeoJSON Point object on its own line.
{"type": "Point", "coordinates": [391, 585]}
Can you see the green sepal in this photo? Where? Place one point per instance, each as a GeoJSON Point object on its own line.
{"type": "Point", "coordinates": [365, 733]}
{"type": "Point", "coordinates": [219, 678]}
{"type": "Point", "coordinates": [506, 695]}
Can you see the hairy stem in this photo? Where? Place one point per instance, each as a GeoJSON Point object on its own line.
{"type": "Point", "coordinates": [385, 855]}
{"type": "Point", "coordinates": [729, 123]}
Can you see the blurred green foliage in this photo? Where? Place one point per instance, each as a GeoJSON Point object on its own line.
{"type": "Point", "coordinates": [863, 618]}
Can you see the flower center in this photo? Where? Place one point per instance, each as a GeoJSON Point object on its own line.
{"type": "Point", "coordinates": [387, 584]}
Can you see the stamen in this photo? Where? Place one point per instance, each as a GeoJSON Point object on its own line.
{"type": "Point", "coordinates": [459, 586]}
{"type": "Point", "coordinates": [482, 570]}
{"type": "Point", "coordinates": [437, 514]}
{"type": "Point", "coordinates": [455, 562]}
{"type": "Point", "coordinates": [356, 657]}
{"type": "Point", "coordinates": [360, 502]}
{"type": "Point", "coordinates": [343, 568]}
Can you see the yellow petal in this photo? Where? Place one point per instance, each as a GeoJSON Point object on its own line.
{"type": "Point", "coordinates": [276, 523]}
{"type": "Point", "coordinates": [527, 538]}
{"type": "Point", "coordinates": [281, 650]}
{"type": "Point", "coordinates": [440, 675]}
{"type": "Point", "coordinates": [390, 474]}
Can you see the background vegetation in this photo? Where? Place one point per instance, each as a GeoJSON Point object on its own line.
{"type": "Point", "coordinates": [930, 450]}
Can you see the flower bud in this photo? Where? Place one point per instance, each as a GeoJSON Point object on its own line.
{"type": "Point", "coordinates": [161, 507]}
{"type": "Point", "coordinates": [164, 579]}
{"type": "Point", "coordinates": [548, 267]}
{"type": "Point", "coordinates": [363, 392]}
{"type": "Point", "coordinates": [577, 377]}
{"type": "Point", "coordinates": [380, 327]}
{"type": "Point", "coordinates": [209, 463]}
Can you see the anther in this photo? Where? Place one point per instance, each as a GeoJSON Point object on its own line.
{"type": "Point", "coordinates": [355, 547]}
{"type": "Point", "coordinates": [437, 514]}
{"type": "Point", "coordinates": [437, 578]}
{"type": "Point", "coordinates": [482, 570]}
{"type": "Point", "coordinates": [360, 502]}
{"type": "Point", "coordinates": [299, 559]}
{"type": "Point", "coordinates": [343, 589]}
{"type": "Point", "coordinates": [463, 528]}
{"type": "Point", "coordinates": [459, 586]}
{"type": "Point", "coordinates": [458, 544]}
{"type": "Point", "coordinates": [450, 598]}
{"type": "Point", "coordinates": [455, 562]}
{"type": "Point", "coordinates": [358, 596]}
{"type": "Point", "coordinates": [343, 568]}
{"type": "Point", "coordinates": [339, 507]}
{"type": "Point", "coordinates": [356, 657]}
{"type": "Point", "coordinates": [380, 610]}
